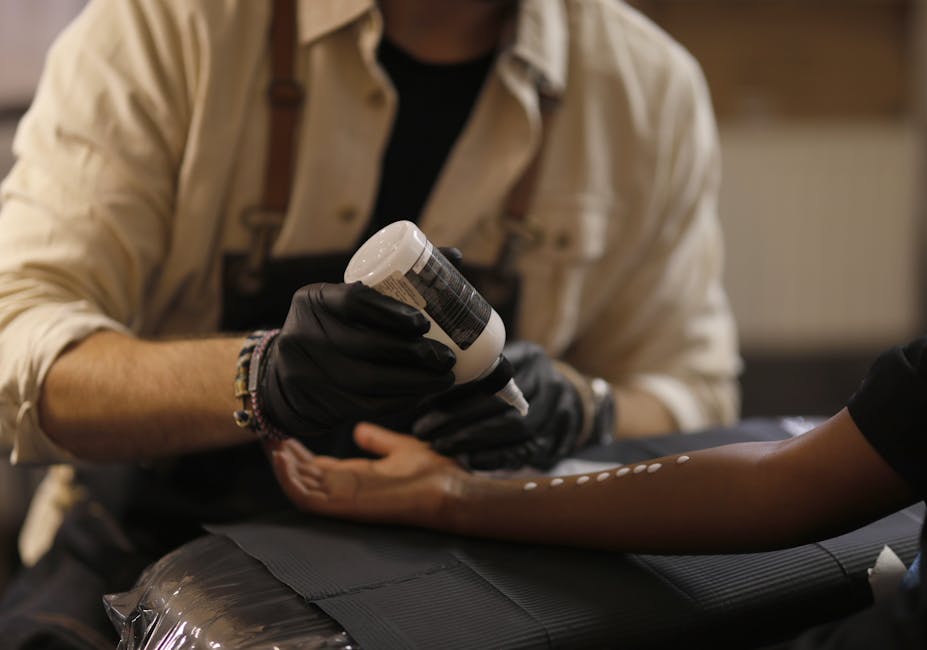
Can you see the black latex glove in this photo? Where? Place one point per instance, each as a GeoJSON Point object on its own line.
{"type": "Point", "coordinates": [486, 433]}
{"type": "Point", "coordinates": [346, 353]}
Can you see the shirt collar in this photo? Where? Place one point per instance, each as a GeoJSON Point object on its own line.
{"type": "Point", "coordinates": [320, 17]}
{"type": "Point", "coordinates": [540, 33]}
{"type": "Point", "coordinates": [541, 41]}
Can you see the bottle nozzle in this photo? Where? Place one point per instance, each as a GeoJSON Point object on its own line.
{"type": "Point", "coordinates": [511, 394]}
{"type": "Point", "coordinates": [500, 382]}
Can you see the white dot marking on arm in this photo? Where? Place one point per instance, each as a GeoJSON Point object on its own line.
{"type": "Point", "coordinates": [624, 471]}
{"type": "Point", "coordinates": [556, 482]}
{"type": "Point", "coordinates": [682, 459]}
{"type": "Point", "coordinates": [530, 485]}
{"type": "Point", "coordinates": [582, 479]}
{"type": "Point", "coordinates": [603, 476]}
{"type": "Point", "coordinates": [639, 469]}
{"type": "Point", "coordinates": [653, 468]}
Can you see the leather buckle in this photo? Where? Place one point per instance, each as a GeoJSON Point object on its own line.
{"type": "Point", "coordinates": [257, 217]}
{"type": "Point", "coordinates": [263, 223]}
{"type": "Point", "coordinates": [285, 93]}
{"type": "Point", "coordinates": [526, 231]}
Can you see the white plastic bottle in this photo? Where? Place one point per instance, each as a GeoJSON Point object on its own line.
{"type": "Point", "coordinates": [400, 262]}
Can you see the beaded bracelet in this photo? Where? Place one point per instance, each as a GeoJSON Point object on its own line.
{"type": "Point", "coordinates": [250, 416]}
{"type": "Point", "coordinates": [265, 429]}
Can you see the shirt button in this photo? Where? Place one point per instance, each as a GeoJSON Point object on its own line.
{"type": "Point", "coordinates": [376, 98]}
{"type": "Point", "coordinates": [347, 213]}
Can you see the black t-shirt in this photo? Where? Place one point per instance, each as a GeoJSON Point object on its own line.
{"type": "Point", "coordinates": [890, 408]}
{"type": "Point", "coordinates": [435, 101]}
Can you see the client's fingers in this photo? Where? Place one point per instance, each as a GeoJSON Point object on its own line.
{"type": "Point", "coordinates": [299, 482]}
{"type": "Point", "coordinates": [303, 459]}
{"type": "Point", "coordinates": [300, 452]}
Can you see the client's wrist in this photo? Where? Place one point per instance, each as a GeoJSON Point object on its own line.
{"type": "Point", "coordinates": [457, 509]}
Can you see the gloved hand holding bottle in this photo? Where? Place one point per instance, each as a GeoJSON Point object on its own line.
{"type": "Point", "coordinates": [347, 352]}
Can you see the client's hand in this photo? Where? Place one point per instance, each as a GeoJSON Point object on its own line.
{"type": "Point", "coordinates": [346, 353]}
{"type": "Point", "coordinates": [410, 484]}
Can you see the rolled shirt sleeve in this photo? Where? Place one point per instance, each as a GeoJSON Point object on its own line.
{"type": "Point", "coordinates": [86, 210]}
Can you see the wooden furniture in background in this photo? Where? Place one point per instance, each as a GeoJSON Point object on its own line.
{"type": "Point", "coordinates": [797, 58]}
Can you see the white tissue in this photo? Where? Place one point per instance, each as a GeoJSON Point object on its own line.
{"type": "Point", "coordinates": [885, 577]}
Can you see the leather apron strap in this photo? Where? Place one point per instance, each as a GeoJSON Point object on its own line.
{"type": "Point", "coordinates": [285, 96]}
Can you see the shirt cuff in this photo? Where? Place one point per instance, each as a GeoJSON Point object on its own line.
{"type": "Point", "coordinates": [30, 344]}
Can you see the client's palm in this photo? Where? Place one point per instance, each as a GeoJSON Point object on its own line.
{"type": "Point", "coordinates": [409, 484]}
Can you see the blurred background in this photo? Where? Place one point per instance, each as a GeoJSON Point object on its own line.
{"type": "Point", "coordinates": [820, 105]}
{"type": "Point", "coordinates": [821, 108]}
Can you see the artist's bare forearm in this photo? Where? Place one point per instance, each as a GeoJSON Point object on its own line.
{"type": "Point", "coordinates": [744, 497]}
{"type": "Point", "coordinates": [113, 397]}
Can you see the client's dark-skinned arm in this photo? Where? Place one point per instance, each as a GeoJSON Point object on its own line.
{"type": "Point", "coordinates": [739, 497]}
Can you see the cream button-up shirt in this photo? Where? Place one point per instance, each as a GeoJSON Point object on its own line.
{"type": "Point", "coordinates": [146, 142]}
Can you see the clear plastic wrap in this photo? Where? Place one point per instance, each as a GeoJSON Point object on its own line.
{"type": "Point", "coordinates": [209, 594]}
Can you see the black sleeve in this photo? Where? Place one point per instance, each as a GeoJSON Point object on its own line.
{"type": "Point", "coordinates": [890, 408]}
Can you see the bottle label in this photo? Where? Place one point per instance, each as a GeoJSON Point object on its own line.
{"type": "Point", "coordinates": [435, 286]}
{"type": "Point", "coordinates": [395, 285]}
